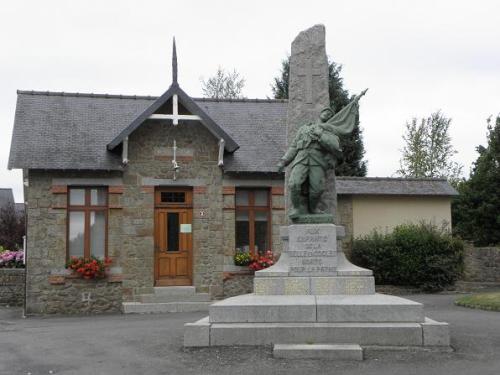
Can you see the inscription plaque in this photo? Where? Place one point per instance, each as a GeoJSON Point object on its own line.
{"type": "Point", "coordinates": [312, 250]}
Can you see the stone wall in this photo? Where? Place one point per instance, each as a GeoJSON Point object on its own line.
{"type": "Point", "coordinates": [46, 212]}
{"type": "Point", "coordinates": [236, 284]}
{"type": "Point", "coordinates": [482, 264]}
{"type": "Point", "coordinates": [150, 155]}
{"type": "Point", "coordinates": [11, 286]}
{"type": "Point", "coordinates": [79, 296]}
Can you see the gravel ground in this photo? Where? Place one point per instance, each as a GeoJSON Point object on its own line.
{"type": "Point", "coordinates": [152, 344]}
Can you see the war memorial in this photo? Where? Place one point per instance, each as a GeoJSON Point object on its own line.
{"type": "Point", "coordinates": [314, 303]}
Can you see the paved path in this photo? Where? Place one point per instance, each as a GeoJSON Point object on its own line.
{"type": "Point", "coordinates": [152, 344]}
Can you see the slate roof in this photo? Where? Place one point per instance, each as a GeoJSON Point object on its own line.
{"type": "Point", "coordinates": [71, 130]}
{"type": "Point", "coordinates": [393, 186]}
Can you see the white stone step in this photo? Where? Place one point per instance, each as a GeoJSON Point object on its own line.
{"type": "Point", "coordinates": [157, 298]}
{"type": "Point", "coordinates": [352, 352]}
{"type": "Point", "coordinates": [376, 308]}
{"type": "Point", "coordinates": [174, 290]}
{"type": "Point", "coordinates": [163, 307]}
{"type": "Point", "coordinates": [380, 334]}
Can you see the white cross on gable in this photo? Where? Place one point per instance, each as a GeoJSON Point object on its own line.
{"type": "Point", "coordinates": [308, 73]}
{"type": "Point", "coordinates": [175, 117]}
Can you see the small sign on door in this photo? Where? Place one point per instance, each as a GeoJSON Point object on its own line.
{"type": "Point", "coordinates": [185, 228]}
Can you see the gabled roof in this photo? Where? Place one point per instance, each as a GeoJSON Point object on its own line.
{"type": "Point", "coordinates": [191, 106]}
{"type": "Point", "coordinates": [56, 130]}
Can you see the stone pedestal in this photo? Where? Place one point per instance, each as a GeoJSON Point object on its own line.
{"type": "Point", "coordinates": [312, 262]}
{"type": "Point", "coordinates": [314, 295]}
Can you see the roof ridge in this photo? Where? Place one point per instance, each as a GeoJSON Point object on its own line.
{"type": "Point", "coordinates": [392, 178]}
{"type": "Point", "coordinates": [242, 100]}
{"type": "Point", "coordinates": [150, 97]}
{"type": "Point", "coordinates": [85, 95]}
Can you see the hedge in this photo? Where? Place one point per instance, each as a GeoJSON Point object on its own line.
{"type": "Point", "coordinates": [419, 255]}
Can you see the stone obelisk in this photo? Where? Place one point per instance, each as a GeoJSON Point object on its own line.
{"type": "Point", "coordinates": [308, 95]}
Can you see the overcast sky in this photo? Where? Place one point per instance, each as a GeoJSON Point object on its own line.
{"type": "Point", "coordinates": [415, 56]}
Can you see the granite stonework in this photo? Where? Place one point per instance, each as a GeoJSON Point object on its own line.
{"type": "Point", "coordinates": [338, 307]}
{"type": "Point", "coordinates": [149, 153]}
{"type": "Point", "coordinates": [308, 94]}
{"type": "Point", "coordinates": [237, 283]}
{"type": "Point", "coordinates": [11, 286]}
{"type": "Point", "coordinates": [46, 210]}
{"type": "Point", "coordinates": [313, 263]}
{"type": "Point", "coordinates": [482, 264]}
{"type": "Point", "coordinates": [79, 296]}
{"type": "Point", "coordinates": [131, 215]}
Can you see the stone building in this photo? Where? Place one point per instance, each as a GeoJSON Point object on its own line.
{"type": "Point", "coordinates": [169, 187]}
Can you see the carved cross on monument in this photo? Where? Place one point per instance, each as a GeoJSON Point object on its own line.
{"type": "Point", "coordinates": [308, 73]}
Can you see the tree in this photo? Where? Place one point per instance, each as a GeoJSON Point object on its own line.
{"type": "Point", "coordinates": [12, 227]}
{"type": "Point", "coordinates": [428, 150]}
{"type": "Point", "coordinates": [223, 85]}
{"type": "Point", "coordinates": [351, 162]}
{"type": "Point", "coordinates": [476, 211]}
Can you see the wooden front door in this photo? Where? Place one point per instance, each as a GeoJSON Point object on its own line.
{"type": "Point", "coordinates": [173, 245]}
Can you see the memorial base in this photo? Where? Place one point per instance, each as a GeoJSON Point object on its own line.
{"type": "Point", "coordinates": [314, 295]}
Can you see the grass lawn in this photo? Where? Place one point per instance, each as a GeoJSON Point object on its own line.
{"type": "Point", "coordinates": [484, 301]}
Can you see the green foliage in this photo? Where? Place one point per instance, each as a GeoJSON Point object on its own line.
{"type": "Point", "coordinates": [483, 301]}
{"type": "Point", "coordinates": [420, 255]}
{"type": "Point", "coordinates": [280, 87]}
{"type": "Point", "coordinates": [351, 162]}
{"type": "Point", "coordinates": [242, 259]}
{"type": "Point", "coordinates": [476, 211]}
{"type": "Point", "coordinates": [428, 151]}
{"type": "Point", "coordinates": [223, 85]}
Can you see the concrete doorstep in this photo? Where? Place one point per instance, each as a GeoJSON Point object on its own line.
{"type": "Point", "coordinates": [351, 352]}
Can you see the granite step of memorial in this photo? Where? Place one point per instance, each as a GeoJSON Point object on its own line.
{"type": "Point", "coordinates": [163, 307]}
{"type": "Point", "coordinates": [377, 308]}
{"type": "Point", "coordinates": [169, 299]}
{"type": "Point", "coordinates": [350, 352]}
{"type": "Point", "coordinates": [388, 335]}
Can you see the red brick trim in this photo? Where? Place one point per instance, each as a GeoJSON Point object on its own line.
{"type": "Point", "coordinates": [278, 208]}
{"type": "Point", "coordinates": [199, 189]}
{"type": "Point", "coordinates": [115, 206]}
{"type": "Point", "coordinates": [229, 208]}
{"type": "Point", "coordinates": [116, 189]}
{"type": "Point", "coordinates": [228, 190]}
{"type": "Point", "coordinates": [59, 207]}
{"type": "Point", "coordinates": [59, 189]}
{"type": "Point", "coordinates": [277, 190]}
{"type": "Point", "coordinates": [148, 189]}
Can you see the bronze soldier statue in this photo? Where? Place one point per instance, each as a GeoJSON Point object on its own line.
{"type": "Point", "coordinates": [314, 150]}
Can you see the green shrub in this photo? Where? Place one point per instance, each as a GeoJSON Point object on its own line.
{"type": "Point", "coordinates": [419, 255]}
